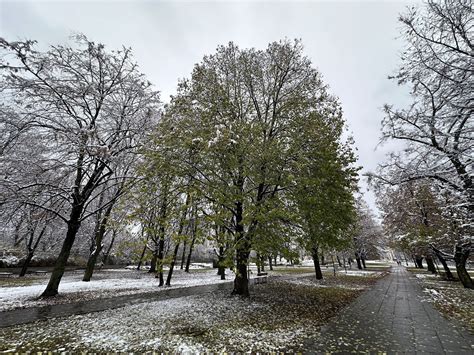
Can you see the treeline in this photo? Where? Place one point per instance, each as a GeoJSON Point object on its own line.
{"type": "Point", "coordinates": [426, 190]}
{"type": "Point", "coordinates": [249, 154]}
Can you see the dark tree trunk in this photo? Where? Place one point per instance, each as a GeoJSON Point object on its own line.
{"type": "Point", "coordinates": [190, 253]}
{"type": "Point", "coordinates": [159, 261]}
{"type": "Point", "coordinates": [431, 266]}
{"type": "Point", "coordinates": [220, 263]}
{"type": "Point", "coordinates": [176, 248]}
{"type": "Point", "coordinates": [183, 256]}
{"type": "Point", "coordinates": [241, 281]}
{"type": "Point", "coordinates": [25, 264]}
{"type": "Point", "coordinates": [91, 263]}
{"type": "Point", "coordinates": [262, 263]}
{"type": "Point", "coordinates": [419, 261]}
{"type": "Point", "coordinates": [359, 264]}
{"type": "Point", "coordinates": [142, 255]}
{"type": "Point", "coordinates": [443, 262]}
{"type": "Point", "coordinates": [275, 261]}
{"type": "Point", "coordinates": [98, 243]}
{"type": "Point", "coordinates": [339, 261]}
{"type": "Point", "coordinates": [461, 254]}
{"type": "Point", "coordinates": [154, 260]}
{"type": "Point", "coordinates": [31, 251]}
{"type": "Point", "coordinates": [317, 266]}
{"type": "Point", "coordinates": [58, 271]}
{"type": "Point", "coordinates": [258, 262]}
{"type": "Point", "coordinates": [270, 265]}
{"type": "Point", "coordinates": [173, 261]}
{"type": "Point", "coordinates": [363, 262]}
{"type": "Point", "coordinates": [105, 259]}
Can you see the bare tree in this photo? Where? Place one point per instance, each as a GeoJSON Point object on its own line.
{"type": "Point", "coordinates": [89, 108]}
{"type": "Point", "coordinates": [437, 128]}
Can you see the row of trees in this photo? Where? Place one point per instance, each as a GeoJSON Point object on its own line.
{"type": "Point", "coordinates": [426, 191]}
{"type": "Point", "coordinates": [249, 154]}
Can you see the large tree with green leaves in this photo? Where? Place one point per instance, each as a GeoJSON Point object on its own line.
{"type": "Point", "coordinates": [242, 113]}
{"type": "Point", "coordinates": [325, 183]}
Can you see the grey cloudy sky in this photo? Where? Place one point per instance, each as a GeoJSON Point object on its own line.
{"type": "Point", "coordinates": [353, 43]}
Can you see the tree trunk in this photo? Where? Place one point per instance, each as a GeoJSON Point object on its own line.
{"type": "Point", "coordinates": [317, 266]}
{"type": "Point", "coordinates": [173, 262]}
{"type": "Point", "coordinates": [91, 263]}
{"type": "Point", "coordinates": [270, 263]}
{"type": "Point", "coordinates": [430, 264]}
{"type": "Point", "coordinates": [58, 271]}
{"type": "Point", "coordinates": [142, 255]}
{"type": "Point", "coordinates": [154, 260]}
{"type": "Point", "coordinates": [180, 232]}
{"type": "Point", "coordinates": [98, 243]}
{"type": "Point", "coordinates": [262, 263]}
{"type": "Point", "coordinates": [461, 254]}
{"type": "Point", "coordinates": [419, 261]}
{"type": "Point", "coordinates": [241, 281]}
{"type": "Point", "coordinates": [359, 264]}
{"type": "Point", "coordinates": [220, 263]}
{"type": "Point", "coordinates": [159, 260]}
{"type": "Point", "coordinates": [339, 260]}
{"type": "Point", "coordinates": [25, 264]}
{"type": "Point", "coordinates": [183, 256]}
{"type": "Point", "coordinates": [31, 251]}
{"type": "Point", "coordinates": [105, 259]}
{"type": "Point", "coordinates": [443, 262]}
{"type": "Point", "coordinates": [190, 253]}
{"type": "Point", "coordinates": [363, 262]}
{"type": "Point", "coordinates": [258, 262]}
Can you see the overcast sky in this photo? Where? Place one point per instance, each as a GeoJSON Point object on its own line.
{"type": "Point", "coordinates": [353, 43]}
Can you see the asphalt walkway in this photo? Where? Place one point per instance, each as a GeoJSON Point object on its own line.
{"type": "Point", "coordinates": [392, 317]}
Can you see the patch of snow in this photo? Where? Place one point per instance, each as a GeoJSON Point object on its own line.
{"type": "Point", "coordinates": [135, 282]}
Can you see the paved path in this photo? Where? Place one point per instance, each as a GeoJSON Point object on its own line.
{"type": "Point", "coordinates": [392, 317]}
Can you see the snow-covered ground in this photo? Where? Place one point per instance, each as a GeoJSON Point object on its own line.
{"type": "Point", "coordinates": [126, 281]}
{"type": "Point", "coordinates": [278, 317]}
{"type": "Point", "coordinates": [106, 283]}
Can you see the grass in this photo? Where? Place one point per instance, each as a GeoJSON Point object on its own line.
{"type": "Point", "coordinates": [291, 269]}
{"type": "Point", "coordinates": [17, 281]}
{"type": "Point", "coordinates": [449, 297]}
{"type": "Point", "coordinates": [278, 316]}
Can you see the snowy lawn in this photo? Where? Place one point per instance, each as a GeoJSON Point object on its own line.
{"type": "Point", "coordinates": [278, 316]}
{"type": "Point", "coordinates": [449, 297]}
{"type": "Point", "coordinates": [21, 293]}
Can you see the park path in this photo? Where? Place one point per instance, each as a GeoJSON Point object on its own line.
{"type": "Point", "coordinates": [392, 318]}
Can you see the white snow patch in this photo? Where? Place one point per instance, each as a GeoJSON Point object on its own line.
{"type": "Point", "coordinates": [137, 282]}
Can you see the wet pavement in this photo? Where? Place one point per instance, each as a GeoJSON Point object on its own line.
{"type": "Point", "coordinates": [392, 318]}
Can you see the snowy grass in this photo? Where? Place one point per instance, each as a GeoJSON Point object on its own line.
{"type": "Point", "coordinates": [105, 283]}
{"type": "Point", "coordinates": [278, 316]}
{"type": "Point", "coordinates": [449, 297]}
